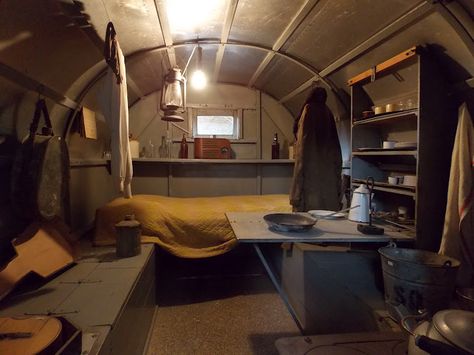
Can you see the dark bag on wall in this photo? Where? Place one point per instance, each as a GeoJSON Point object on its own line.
{"type": "Point", "coordinates": [40, 180]}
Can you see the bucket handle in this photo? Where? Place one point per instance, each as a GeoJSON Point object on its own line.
{"type": "Point", "coordinates": [404, 322]}
{"type": "Point", "coordinates": [392, 244]}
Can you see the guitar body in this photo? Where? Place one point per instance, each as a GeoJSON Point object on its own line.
{"type": "Point", "coordinates": [45, 335]}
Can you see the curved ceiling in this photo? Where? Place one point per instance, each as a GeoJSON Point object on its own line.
{"type": "Point", "coordinates": [280, 47]}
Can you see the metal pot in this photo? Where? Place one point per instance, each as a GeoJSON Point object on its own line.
{"type": "Point", "coordinates": [451, 331]}
{"type": "Point", "coordinates": [360, 205]}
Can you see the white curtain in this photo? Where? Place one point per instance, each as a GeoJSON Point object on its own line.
{"type": "Point", "coordinates": [115, 109]}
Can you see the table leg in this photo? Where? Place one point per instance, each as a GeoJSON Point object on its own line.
{"type": "Point", "coordinates": [280, 290]}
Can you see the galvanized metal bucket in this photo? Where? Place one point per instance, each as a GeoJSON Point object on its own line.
{"type": "Point", "coordinates": [417, 280]}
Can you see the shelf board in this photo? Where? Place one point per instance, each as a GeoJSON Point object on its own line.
{"type": "Point", "coordinates": [385, 152]}
{"type": "Point", "coordinates": [395, 189]}
{"type": "Point", "coordinates": [379, 68]}
{"type": "Point", "coordinates": [384, 117]}
{"type": "Point", "coordinates": [213, 161]}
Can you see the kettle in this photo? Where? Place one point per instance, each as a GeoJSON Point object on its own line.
{"type": "Point", "coordinates": [450, 331]}
{"type": "Point", "coordinates": [360, 204]}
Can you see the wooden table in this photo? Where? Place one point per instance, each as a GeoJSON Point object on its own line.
{"type": "Point", "coordinates": [250, 227]}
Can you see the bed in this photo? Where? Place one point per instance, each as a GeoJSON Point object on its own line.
{"type": "Point", "coordinates": [194, 227]}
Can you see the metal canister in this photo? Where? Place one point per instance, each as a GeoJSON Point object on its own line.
{"type": "Point", "coordinates": [128, 237]}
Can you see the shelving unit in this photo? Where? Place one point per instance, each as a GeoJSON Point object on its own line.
{"type": "Point", "coordinates": [394, 189]}
{"type": "Point", "coordinates": [410, 77]}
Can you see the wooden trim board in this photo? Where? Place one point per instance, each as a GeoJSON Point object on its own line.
{"type": "Point", "coordinates": [383, 66]}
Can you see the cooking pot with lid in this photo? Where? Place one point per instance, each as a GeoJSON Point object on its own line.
{"type": "Point", "coordinates": [450, 331]}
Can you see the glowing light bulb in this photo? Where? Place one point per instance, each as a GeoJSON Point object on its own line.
{"type": "Point", "coordinates": [198, 80]}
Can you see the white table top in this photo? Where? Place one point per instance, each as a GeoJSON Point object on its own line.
{"type": "Point", "coordinates": [249, 227]}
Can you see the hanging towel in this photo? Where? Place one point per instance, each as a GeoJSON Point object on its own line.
{"type": "Point", "coordinates": [115, 109]}
{"type": "Point", "coordinates": [318, 162]}
{"type": "Point", "coordinates": [458, 233]}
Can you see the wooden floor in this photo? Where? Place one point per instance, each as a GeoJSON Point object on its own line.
{"type": "Point", "coordinates": [221, 305]}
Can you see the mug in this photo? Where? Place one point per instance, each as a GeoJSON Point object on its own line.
{"type": "Point", "coordinates": [379, 109]}
{"type": "Point", "coordinates": [392, 180]}
{"type": "Point", "coordinates": [388, 144]}
{"type": "Point", "coordinates": [389, 107]}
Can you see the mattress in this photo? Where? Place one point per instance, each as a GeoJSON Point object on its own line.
{"type": "Point", "coordinates": [194, 227]}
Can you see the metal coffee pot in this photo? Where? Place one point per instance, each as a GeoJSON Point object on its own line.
{"type": "Point", "coordinates": [361, 197]}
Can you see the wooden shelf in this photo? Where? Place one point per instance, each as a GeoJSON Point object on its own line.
{"type": "Point", "coordinates": [386, 117]}
{"type": "Point", "coordinates": [213, 161]}
{"type": "Point", "coordinates": [88, 162]}
{"type": "Point", "coordinates": [383, 152]}
{"type": "Point", "coordinates": [379, 68]}
{"type": "Point", "coordinates": [395, 189]}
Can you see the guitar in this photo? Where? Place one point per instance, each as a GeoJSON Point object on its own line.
{"type": "Point", "coordinates": [29, 335]}
{"type": "Point", "coordinates": [42, 248]}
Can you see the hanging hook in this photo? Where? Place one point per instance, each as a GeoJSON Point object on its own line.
{"type": "Point", "coordinates": [40, 90]}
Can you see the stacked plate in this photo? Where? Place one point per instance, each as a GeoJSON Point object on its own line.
{"type": "Point", "coordinates": [326, 214]}
{"type": "Point", "coordinates": [405, 145]}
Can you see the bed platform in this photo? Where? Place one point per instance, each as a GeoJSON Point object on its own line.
{"type": "Point", "coordinates": [194, 227]}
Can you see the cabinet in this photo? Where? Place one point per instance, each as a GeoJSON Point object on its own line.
{"type": "Point", "coordinates": [420, 126]}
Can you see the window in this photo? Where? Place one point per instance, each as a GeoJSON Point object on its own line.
{"type": "Point", "coordinates": [216, 123]}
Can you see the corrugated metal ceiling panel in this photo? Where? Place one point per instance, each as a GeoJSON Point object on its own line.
{"type": "Point", "coordinates": [281, 76]}
{"type": "Point", "coordinates": [239, 64]}
{"type": "Point", "coordinates": [189, 19]}
{"type": "Point", "coordinates": [335, 27]}
{"type": "Point", "coordinates": [208, 59]}
{"type": "Point", "coordinates": [29, 37]}
{"type": "Point", "coordinates": [262, 22]}
{"type": "Point", "coordinates": [147, 71]}
{"type": "Point", "coordinates": [433, 29]}
{"type": "Point", "coordinates": [295, 104]}
{"type": "Point", "coordinates": [135, 21]}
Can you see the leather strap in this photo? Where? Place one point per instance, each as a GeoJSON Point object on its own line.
{"type": "Point", "coordinates": [110, 51]}
{"type": "Point", "coordinates": [41, 108]}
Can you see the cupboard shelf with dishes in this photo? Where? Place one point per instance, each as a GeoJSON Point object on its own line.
{"type": "Point", "coordinates": [384, 117]}
{"type": "Point", "coordinates": [381, 152]}
{"type": "Point", "coordinates": [410, 86]}
{"type": "Point", "coordinates": [394, 189]}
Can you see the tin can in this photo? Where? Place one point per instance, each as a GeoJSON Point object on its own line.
{"type": "Point", "coordinates": [128, 237]}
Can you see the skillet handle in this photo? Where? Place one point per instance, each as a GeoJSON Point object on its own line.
{"type": "Point", "coordinates": [435, 347]}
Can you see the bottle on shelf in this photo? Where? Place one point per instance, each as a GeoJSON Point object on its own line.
{"type": "Point", "coordinates": [183, 149]}
{"type": "Point", "coordinates": [275, 147]}
{"type": "Point", "coordinates": [151, 149]}
{"type": "Point", "coordinates": [169, 144]}
{"type": "Point", "coordinates": [163, 150]}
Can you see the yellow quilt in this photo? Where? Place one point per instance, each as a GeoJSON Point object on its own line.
{"type": "Point", "coordinates": [193, 227]}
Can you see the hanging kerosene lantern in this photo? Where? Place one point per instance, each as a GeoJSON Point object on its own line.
{"type": "Point", "coordinates": [173, 96]}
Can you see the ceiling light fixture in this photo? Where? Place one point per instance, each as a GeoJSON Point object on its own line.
{"type": "Point", "coordinates": [198, 78]}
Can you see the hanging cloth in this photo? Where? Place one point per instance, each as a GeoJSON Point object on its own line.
{"type": "Point", "coordinates": [318, 163]}
{"type": "Point", "coordinates": [458, 233]}
{"type": "Point", "coordinates": [115, 109]}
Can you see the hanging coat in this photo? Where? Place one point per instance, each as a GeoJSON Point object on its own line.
{"type": "Point", "coordinates": [115, 109]}
{"type": "Point", "coordinates": [318, 162]}
{"type": "Point", "coordinates": [458, 233]}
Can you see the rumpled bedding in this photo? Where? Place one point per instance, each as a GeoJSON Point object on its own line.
{"type": "Point", "coordinates": [191, 227]}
